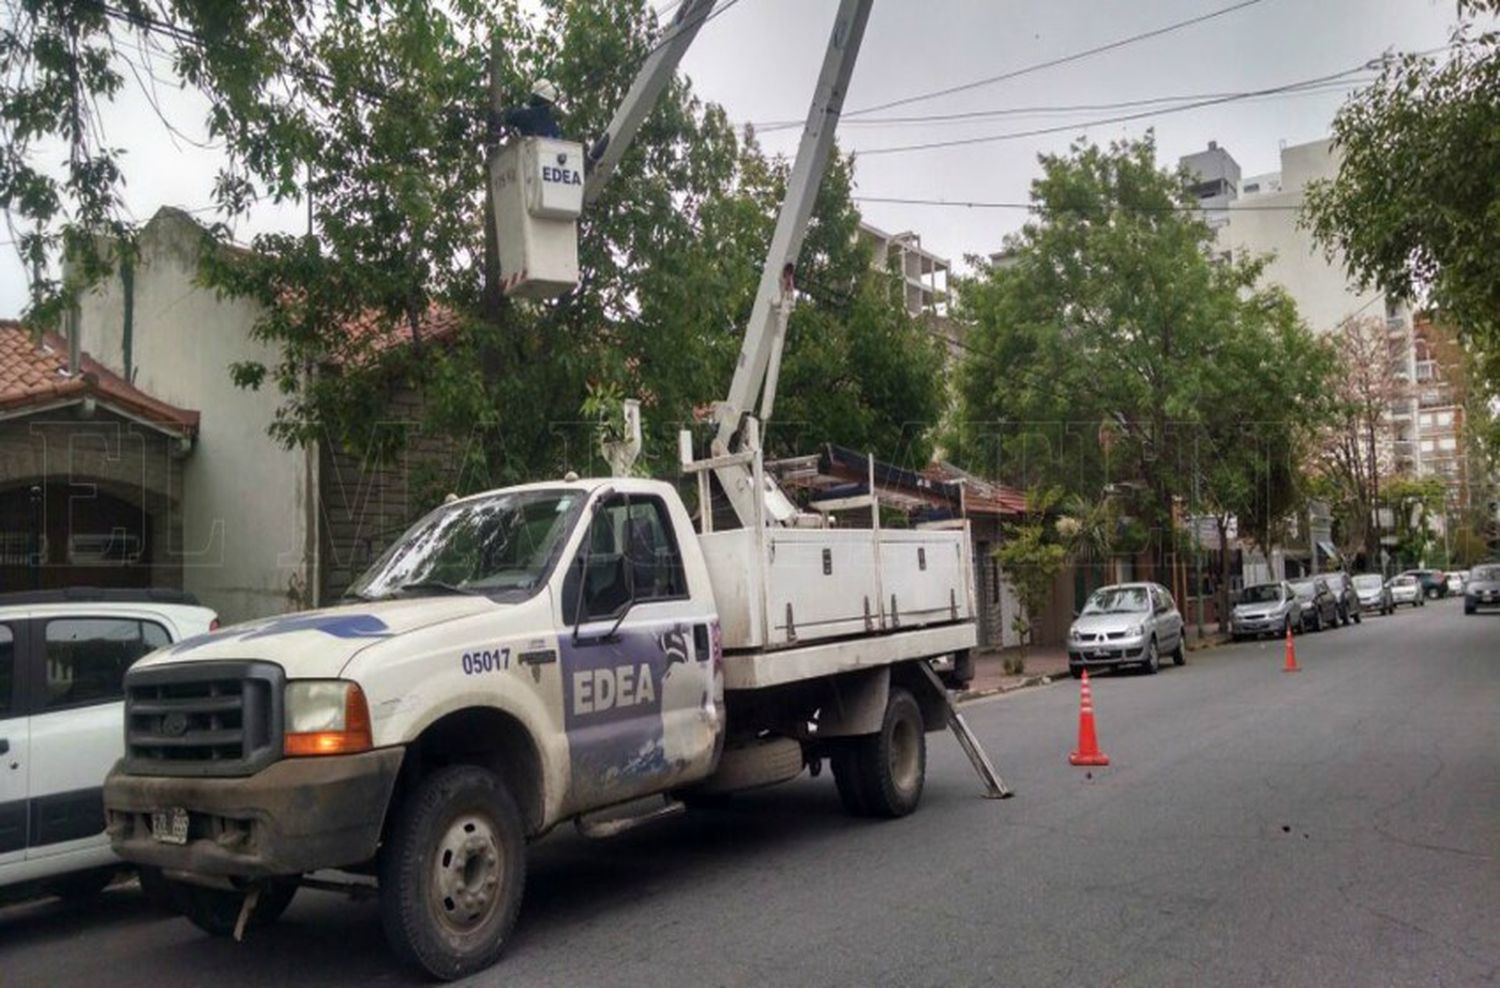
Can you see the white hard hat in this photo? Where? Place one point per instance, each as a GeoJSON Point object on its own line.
{"type": "Point", "coordinates": [545, 90]}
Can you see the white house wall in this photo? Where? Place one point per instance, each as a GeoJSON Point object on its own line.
{"type": "Point", "coordinates": [245, 517]}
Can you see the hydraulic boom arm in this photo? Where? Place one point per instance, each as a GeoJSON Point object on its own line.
{"type": "Point", "coordinates": [649, 82]}
{"type": "Point", "coordinates": [760, 353]}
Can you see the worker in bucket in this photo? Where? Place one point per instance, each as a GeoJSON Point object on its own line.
{"type": "Point", "coordinates": [535, 118]}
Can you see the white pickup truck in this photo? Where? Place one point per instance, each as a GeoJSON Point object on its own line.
{"type": "Point", "coordinates": [522, 658]}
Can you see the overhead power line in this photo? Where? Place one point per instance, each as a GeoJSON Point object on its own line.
{"type": "Point", "coordinates": [1054, 62]}
{"type": "Point", "coordinates": [1121, 118]}
{"type": "Point", "coordinates": [1338, 85]}
{"type": "Point", "coordinates": [1036, 207]}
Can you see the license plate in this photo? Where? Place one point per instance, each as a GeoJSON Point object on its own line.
{"type": "Point", "coordinates": [170, 826]}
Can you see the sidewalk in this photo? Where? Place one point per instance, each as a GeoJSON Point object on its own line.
{"type": "Point", "coordinates": [1045, 663]}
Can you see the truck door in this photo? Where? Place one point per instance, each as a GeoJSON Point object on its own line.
{"type": "Point", "coordinates": [637, 664]}
{"type": "Point", "coordinates": [15, 733]}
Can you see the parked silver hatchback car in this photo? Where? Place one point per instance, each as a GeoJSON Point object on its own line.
{"type": "Point", "coordinates": [1265, 609]}
{"type": "Point", "coordinates": [1126, 624]}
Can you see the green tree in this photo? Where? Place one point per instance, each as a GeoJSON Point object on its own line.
{"type": "Point", "coordinates": [1111, 347]}
{"type": "Point", "coordinates": [375, 113]}
{"type": "Point", "coordinates": [1031, 556]}
{"type": "Point", "coordinates": [1412, 502]}
{"type": "Point", "coordinates": [1413, 206]}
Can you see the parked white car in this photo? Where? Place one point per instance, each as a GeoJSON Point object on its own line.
{"type": "Point", "coordinates": [1406, 589]}
{"type": "Point", "coordinates": [1457, 579]}
{"type": "Point", "coordinates": [63, 656]}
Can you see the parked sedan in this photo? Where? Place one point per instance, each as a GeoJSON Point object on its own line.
{"type": "Point", "coordinates": [1320, 608]}
{"type": "Point", "coordinates": [1456, 580]}
{"type": "Point", "coordinates": [1126, 624]}
{"type": "Point", "coordinates": [1374, 595]}
{"type": "Point", "coordinates": [1406, 589]}
{"type": "Point", "coordinates": [1265, 609]}
{"type": "Point", "coordinates": [1482, 588]}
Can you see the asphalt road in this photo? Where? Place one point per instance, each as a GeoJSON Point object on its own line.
{"type": "Point", "coordinates": [1334, 827]}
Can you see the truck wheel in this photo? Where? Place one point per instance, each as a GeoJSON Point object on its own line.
{"type": "Point", "coordinates": [215, 911]}
{"type": "Point", "coordinates": [881, 774]}
{"type": "Point", "coordinates": [452, 872]}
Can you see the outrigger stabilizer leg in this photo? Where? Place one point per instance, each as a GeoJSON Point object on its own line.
{"type": "Point", "coordinates": [995, 787]}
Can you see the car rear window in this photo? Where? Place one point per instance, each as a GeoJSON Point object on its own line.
{"type": "Point", "coordinates": [1486, 573]}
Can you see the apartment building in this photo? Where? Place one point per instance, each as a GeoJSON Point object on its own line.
{"type": "Point", "coordinates": [923, 274]}
{"type": "Point", "coordinates": [1260, 214]}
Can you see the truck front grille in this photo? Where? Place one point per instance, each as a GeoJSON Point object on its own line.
{"type": "Point", "coordinates": [203, 718]}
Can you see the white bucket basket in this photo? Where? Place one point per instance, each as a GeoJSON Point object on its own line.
{"type": "Point", "coordinates": [537, 186]}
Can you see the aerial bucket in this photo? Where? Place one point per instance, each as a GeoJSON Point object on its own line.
{"type": "Point", "coordinates": [536, 184]}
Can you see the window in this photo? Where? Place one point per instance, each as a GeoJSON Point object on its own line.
{"type": "Point", "coordinates": [7, 671]}
{"type": "Point", "coordinates": [1444, 418]}
{"type": "Point", "coordinates": [1427, 446]}
{"type": "Point", "coordinates": [630, 555]}
{"type": "Point", "coordinates": [87, 658]}
{"type": "Point", "coordinates": [1448, 442]}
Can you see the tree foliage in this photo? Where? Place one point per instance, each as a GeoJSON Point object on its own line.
{"type": "Point", "coordinates": [1112, 351]}
{"type": "Point", "coordinates": [1415, 208]}
{"type": "Point", "coordinates": [1031, 556]}
{"type": "Point", "coordinates": [375, 111]}
{"type": "Point", "coordinates": [1354, 453]}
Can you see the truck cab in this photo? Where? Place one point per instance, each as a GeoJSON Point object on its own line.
{"type": "Point", "coordinates": [561, 637]}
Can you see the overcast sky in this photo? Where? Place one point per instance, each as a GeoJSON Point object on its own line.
{"type": "Point", "coordinates": [759, 59]}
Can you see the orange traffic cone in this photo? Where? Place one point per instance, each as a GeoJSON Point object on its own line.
{"type": "Point", "coordinates": [1088, 752]}
{"type": "Point", "coordinates": [1291, 653]}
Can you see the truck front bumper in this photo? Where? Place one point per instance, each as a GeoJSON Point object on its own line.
{"type": "Point", "coordinates": [296, 815]}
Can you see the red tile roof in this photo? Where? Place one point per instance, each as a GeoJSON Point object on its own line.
{"type": "Point", "coordinates": [37, 374]}
{"type": "Point", "coordinates": [378, 332]}
{"type": "Point", "coordinates": [982, 497]}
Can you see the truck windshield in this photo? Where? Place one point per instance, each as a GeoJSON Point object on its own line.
{"type": "Point", "coordinates": [503, 546]}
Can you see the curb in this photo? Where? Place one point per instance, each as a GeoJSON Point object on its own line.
{"type": "Point", "coordinates": [966, 696]}
{"type": "Point", "coordinates": [1029, 681]}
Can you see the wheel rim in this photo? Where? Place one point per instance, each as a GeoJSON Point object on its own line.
{"type": "Point", "coordinates": [468, 872]}
{"type": "Point", "coordinates": [1151, 654]}
{"type": "Point", "coordinates": [904, 760]}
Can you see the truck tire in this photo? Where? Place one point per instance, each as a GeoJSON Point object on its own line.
{"type": "Point", "coordinates": [752, 765]}
{"type": "Point", "coordinates": [215, 911]}
{"type": "Point", "coordinates": [881, 774]}
{"type": "Point", "coordinates": [452, 872]}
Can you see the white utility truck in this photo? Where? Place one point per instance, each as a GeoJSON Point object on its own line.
{"type": "Point", "coordinates": [578, 650]}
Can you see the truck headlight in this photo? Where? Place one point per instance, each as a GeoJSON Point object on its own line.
{"type": "Point", "coordinates": [325, 717]}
